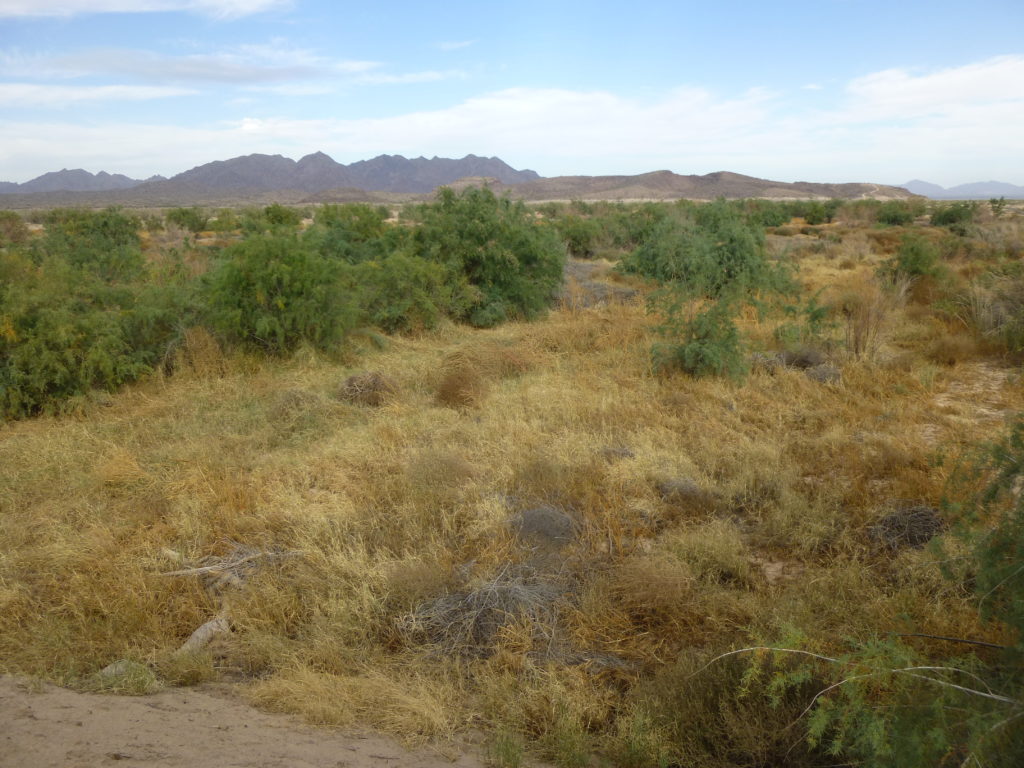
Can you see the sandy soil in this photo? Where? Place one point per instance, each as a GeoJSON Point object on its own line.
{"type": "Point", "coordinates": [194, 728]}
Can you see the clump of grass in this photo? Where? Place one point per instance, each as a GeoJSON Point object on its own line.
{"type": "Point", "coordinates": [462, 385]}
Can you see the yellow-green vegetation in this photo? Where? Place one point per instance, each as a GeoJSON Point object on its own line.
{"type": "Point", "coordinates": [534, 530]}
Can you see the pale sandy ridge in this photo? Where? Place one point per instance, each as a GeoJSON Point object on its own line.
{"type": "Point", "coordinates": [50, 727]}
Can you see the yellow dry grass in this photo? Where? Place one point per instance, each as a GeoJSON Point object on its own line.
{"type": "Point", "coordinates": [393, 505]}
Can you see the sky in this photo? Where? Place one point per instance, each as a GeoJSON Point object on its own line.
{"type": "Point", "coordinates": [825, 91]}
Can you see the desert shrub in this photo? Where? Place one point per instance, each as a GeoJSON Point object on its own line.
{"type": "Point", "coordinates": [581, 236]}
{"type": "Point", "coordinates": [993, 305]}
{"type": "Point", "coordinates": [707, 250]}
{"type": "Point", "coordinates": [701, 342]}
{"type": "Point", "coordinates": [272, 292]}
{"type": "Point", "coordinates": [371, 388]}
{"type": "Point", "coordinates": [193, 219]}
{"type": "Point", "coordinates": [511, 262]}
{"type": "Point", "coordinates": [895, 213]}
{"type": "Point", "coordinates": [916, 258]}
{"type": "Point", "coordinates": [997, 206]}
{"type": "Point", "coordinates": [401, 293]}
{"type": "Point", "coordinates": [355, 233]}
{"type": "Point", "coordinates": [628, 226]}
{"type": "Point", "coordinates": [711, 253]}
{"type": "Point", "coordinates": [815, 213]}
{"type": "Point", "coordinates": [105, 243]}
{"type": "Point", "coordinates": [890, 703]}
{"type": "Point", "coordinates": [955, 216]}
{"type": "Point", "coordinates": [271, 218]}
{"type": "Point", "coordinates": [64, 332]}
{"type": "Point", "coordinates": [13, 230]}
{"type": "Point", "coordinates": [866, 308]}
{"type": "Point", "coordinates": [225, 220]}
{"type": "Point", "coordinates": [766, 212]}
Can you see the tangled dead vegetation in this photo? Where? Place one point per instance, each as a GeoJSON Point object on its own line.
{"type": "Point", "coordinates": [371, 388]}
{"type": "Point", "coordinates": [912, 525]}
{"type": "Point", "coordinates": [221, 576]}
{"type": "Point", "coordinates": [471, 622]}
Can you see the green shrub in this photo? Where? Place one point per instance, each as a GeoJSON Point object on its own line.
{"type": "Point", "coordinates": [895, 213]}
{"type": "Point", "coordinates": [194, 219]}
{"type": "Point", "coordinates": [955, 216]}
{"type": "Point", "coordinates": [701, 342]}
{"type": "Point", "coordinates": [581, 236]}
{"type": "Point", "coordinates": [708, 250]}
{"type": "Point", "coordinates": [355, 233]}
{"type": "Point", "coordinates": [271, 218]}
{"type": "Point", "coordinates": [511, 263]}
{"type": "Point", "coordinates": [401, 293]}
{"type": "Point", "coordinates": [273, 292]}
{"type": "Point", "coordinates": [917, 257]}
{"type": "Point", "coordinates": [767, 213]}
{"type": "Point", "coordinates": [891, 704]}
{"type": "Point", "coordinates": [13, 230]}
{"type": "Point", "coordinates": [226, 220]}
{"type": "Point", "coordinates": [105, 243]}
{"type": "Point", "coordinates": [65, 331]}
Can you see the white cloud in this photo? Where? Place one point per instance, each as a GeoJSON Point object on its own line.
{"type": "Point", "coordinates": [289, 89]}
{"type": "Point", "coordinates": [249, 64]}
{"type": "Point", "coordinates": [431, 76]}
{"type": "Point", "coordinates": [896, 94]}
{"type": "Point", "coordinates": [953, 126]}
{"type": "Point", "coordinates": [14, 95]}
{"type": "Point", "coordinates": [264, 63]}
{"type": "Point", "coordinates": [217, 8]}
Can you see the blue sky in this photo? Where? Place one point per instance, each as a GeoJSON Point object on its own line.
{"type": "Point", "coordinates": [831, 90]}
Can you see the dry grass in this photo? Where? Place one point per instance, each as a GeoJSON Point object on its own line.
{"type": "Point", "coordinates": [403, 515]}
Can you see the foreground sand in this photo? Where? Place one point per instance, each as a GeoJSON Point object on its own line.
{"type": "Point", "coordinates": [46, 726]}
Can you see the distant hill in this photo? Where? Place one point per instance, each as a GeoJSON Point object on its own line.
{"type": "Point", "coordinates": [979, 190]}
{"type": "Point", "coordinates": [317, 178]}
{"type": "Point", "coordinates": [256, 173]}
{"type": "Point", "coordinates": [318, 173]}
{"type": "Point", "coordinates": [665, 185]}
{"type": "Point", "coordinates": [77, 180]}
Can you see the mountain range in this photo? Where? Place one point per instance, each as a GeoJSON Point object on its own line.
{"type": "Point", "coordinates": [979, 190]}
{"type": "Point", "coordinates": [313, 173]}
{"type": "Point", "coordinates": [316, 178]}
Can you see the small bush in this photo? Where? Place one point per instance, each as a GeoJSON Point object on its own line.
{"type": "Point", "coordinates": [105, 243]}
{"type": "Point", "coordinates": [13, 230]}
{"type": "Point", "coordinates": [955, 216]}
{"type": "Point", "coordinates": [461, 386]}
{"type": "Point", "coordinates": [400, 293]}
{"type": "Point", "coordinates": [916, 258]}
{"type": "Point", "coordinates": [581, 236]}
{"type": "Point", "coordinates": [707, 251]}
{"type": "Point", "coordinates": [896, 213]}
{"type": "Point", "coordinates": [273, 292]}
{"type": "Point", "coordinates": [707, 343]}
{"type": "Point", "coordinates": [511, 263]}
{"type": "Point", "coordinates": [193, 219]}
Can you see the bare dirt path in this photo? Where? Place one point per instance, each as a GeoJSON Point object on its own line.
{"type": "Point", "coordinates": [192, 728]}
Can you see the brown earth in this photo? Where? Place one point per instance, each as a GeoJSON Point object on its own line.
{"type": "Point", "coordinates": [44, 726]}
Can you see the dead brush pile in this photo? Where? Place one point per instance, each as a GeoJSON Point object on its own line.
{"type": "Point", "coordinates": [470, 622]}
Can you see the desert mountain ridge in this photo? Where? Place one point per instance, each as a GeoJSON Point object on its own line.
{"type": "Point", "coordinates": [978, 190]}
{"type": "Point", "coordinates": [315, 178]}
